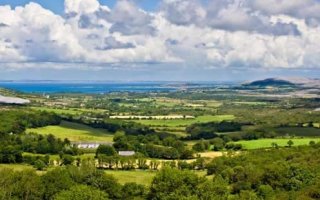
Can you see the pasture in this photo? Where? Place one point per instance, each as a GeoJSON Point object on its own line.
{"type": "Point", "coordinates": [16, 167]}
{"type": "Point", "coordinates": [143, 177]}
{"type": "Point", "coordinates": [74, 132]}
{"type": "Point", "coordinates": [185, 122]}
{"type": "Point", "coordinates": [69, 111]}
{"type": "Point", "coordinates": [134, 176]}
{"type": "Point", "coordinates": [281, 142]}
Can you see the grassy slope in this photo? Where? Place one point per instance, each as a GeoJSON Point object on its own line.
{"type": "Point", "coordinates": [75, 132]}
{"type": "Point", "coordinates": [266, 143]}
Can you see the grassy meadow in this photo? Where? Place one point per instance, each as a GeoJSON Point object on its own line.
{"type": "Point", "coordinates": [135, 176]}
{"type": "Point", "coordinates": [185, 122]}
{"type": "Point", "coordinates": [74, 132]}
{"type": "Point", "coordinates": [70, 111]}
{"type": "Point", "coordinates": [282, 142]}
{"type": "Point", "coordinates": [139, 176]}
{"type": "Point", "coordinates": [16, 167]}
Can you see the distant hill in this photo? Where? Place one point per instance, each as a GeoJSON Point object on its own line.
{"type": "Point", "coordinates": [270, 82]}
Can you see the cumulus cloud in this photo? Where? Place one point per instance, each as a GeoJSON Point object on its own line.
{"type": "Point", "coordinates": [187, 33]}
{"type": "Point", "coordinates": [231, 15]}
{"type": "Point", "coordinates": [81, 6]}
{"type": "Point", "coordinates": [128, 19]}
{"type": "Point", "coordinates": [111, 43]}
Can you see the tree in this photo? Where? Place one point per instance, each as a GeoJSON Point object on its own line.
{"type": "Point", "coordinates": [24, 184]}
{"type": "Point", "coordinates": [274, 145]}
{"type": "Point", "coordinates": [67, 159]}
{"type": "Point", "coordinates": [201, 146]}
{"type": "Point", "coordinates": [106, 150]}
{"type": "Point", "coordinates": [170, 184]}
{"type": "Point", "coordinates": [312, 143]}
{"type": "Point", "coordinates": [55, 181]}
{"type": "Point", "coordinates": [133, 191]}
{"type": "Point", "coordinates": [39, 164]}
{"type": "Point", "coordinates": [81, 192]}
{"type": "Point", "coordinates": [290, 143]}
{"type": "Point", "coordinates": [218, 144]}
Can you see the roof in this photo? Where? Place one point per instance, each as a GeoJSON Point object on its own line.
{"type": "Point", "coordinates": [92, 143]}
{"type": "Point", "coordinates": [126, 153]}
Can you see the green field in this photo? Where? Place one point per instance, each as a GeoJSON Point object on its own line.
{"type": "Point", "coordinates": [185, 122]}
{"type": "Point", "coordinates": [136, 176]}
{"type": "Point", "coordinates": [74, 132]}
{"type": "Point", "coordinates": [16, 167]}
{"type": "Point", "coordinates": [252, 103]}
{"type": "Point", "coordinates": [71, 111]}
{"type": "Point", "coordinates": [266, 143]}
{"type": "Point", "coordinates": [140, 177]}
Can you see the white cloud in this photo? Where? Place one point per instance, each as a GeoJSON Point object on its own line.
{"type": "Point", "coordinates": [232, 33]}
{"type": "Point", "coordinates": [81, 6]}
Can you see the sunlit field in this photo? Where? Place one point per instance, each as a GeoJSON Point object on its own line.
{"type": "Point", "coordinates": [74, 132]}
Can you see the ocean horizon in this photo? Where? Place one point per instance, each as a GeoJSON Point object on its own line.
{"type": "Point", "coordinates": [99, 87]}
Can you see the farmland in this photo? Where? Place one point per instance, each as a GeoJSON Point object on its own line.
{"type": "Point", "coordinates": [74, 132]}
{"type": "Point", "coordinates": [140, 177]}
{"type": "Point", "coordinates": [281, 142]}
{"type": "Point", "coordinates": [185, 122]}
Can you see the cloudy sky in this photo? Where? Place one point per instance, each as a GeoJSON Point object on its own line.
{"type": "Point", "coordinates": [159, 40]}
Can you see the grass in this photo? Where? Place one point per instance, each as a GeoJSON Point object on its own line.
{"type": "Point", "coordinates": [136, 176]}
{"type": "Point", "coordinates": [186, 122]}
{"type": "Point", "coordinates": [71, 111]}
{"type": "Point", "coordinates": [74, 132]}
{"type": "Point", "coordinates": [139, 176]}
{"type": "Point", "coordinates": [266, 143]}
{"type": "Point", "coordinates": [58, 110]}
{"type": "Point", "coordinates": [16, 167]}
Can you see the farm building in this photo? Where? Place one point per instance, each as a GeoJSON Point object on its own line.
{"type": "Point", "coordinates": [126, 153]}
{"type": "Point", "coordinates": [90, 145]}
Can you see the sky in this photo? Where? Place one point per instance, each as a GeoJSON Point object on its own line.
{"type": "Point", "coordinates": [144, 40]}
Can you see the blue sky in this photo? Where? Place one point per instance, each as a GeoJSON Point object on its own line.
{"type": "Point", "coordinates": [57, 6]}
{"type": "Point", "coordinates": [159, 40]}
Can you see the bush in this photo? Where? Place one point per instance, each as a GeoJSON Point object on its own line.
{"type": "Point", "coordinates": [39, 165]}
{"type": "Point", "coordinates": [81, 192]}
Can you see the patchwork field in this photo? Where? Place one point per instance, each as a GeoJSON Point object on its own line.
{"type": "Point", "coordinates": [74, 132]}
{"type": "Point", "coordinates": [71, 111]}
{"type": "Point", "coordinates": [267, 143]}
{"type": "Point", "coordinates": [185, 122]}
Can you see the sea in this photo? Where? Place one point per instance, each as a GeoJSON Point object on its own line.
{"type": "Point", "coordinates": [98, 87]}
